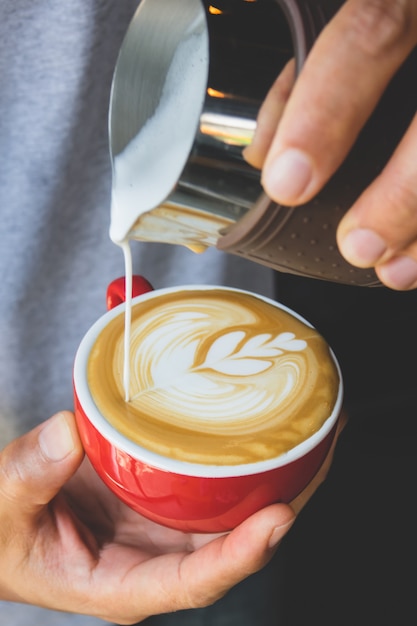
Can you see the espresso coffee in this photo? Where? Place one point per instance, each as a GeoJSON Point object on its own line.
{"type": "Point", "coordinates": [217, 376]}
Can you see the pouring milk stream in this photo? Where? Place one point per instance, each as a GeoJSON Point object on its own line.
{"type": "Point", "coordinates": [137, 184]}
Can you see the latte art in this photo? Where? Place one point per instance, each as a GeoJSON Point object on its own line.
{"type": "Point", "coordinates": [216, 376]}
{"type": "Point", "coordinates": [201, 383]}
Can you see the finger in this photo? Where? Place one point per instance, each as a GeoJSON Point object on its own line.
{"type": "Point", "coordinates": [34, 467]}
{"type": "Point", "coordinates": [181, 581]}
{"type": "Point", "coordinates": [269, 115]}
{"type": "Point", "coordinates": [342, 80]}
{"type": "Point", "coordinates": [221, 564]}
{"type": "Point", "coordinates": [380, 230]}
{"type": "Point", "coordinates": [301, 500]}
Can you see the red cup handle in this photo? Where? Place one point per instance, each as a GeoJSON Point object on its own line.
{"type": "Point", "coordinates": [116, 291]}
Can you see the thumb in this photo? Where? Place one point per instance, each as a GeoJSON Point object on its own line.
{"type": "Point", "coordinates": [34, 467]}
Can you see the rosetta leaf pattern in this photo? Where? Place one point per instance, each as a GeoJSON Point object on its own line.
{"type": "Point", "coordinates": [232, 355]}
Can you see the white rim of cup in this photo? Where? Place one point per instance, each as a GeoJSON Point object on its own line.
{"type": "Point", "coordinates": [173, 465]}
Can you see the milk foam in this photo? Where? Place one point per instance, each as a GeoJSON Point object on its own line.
{"type": "Point", "coordinates": [147, 170]}
{"type": "Point", "coordinates": [167, 371]}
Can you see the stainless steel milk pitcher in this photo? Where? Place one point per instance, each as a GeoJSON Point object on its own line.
{"type": "Point", "coordinates": [177, 134]}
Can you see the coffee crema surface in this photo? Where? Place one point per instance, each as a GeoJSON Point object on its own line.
{"type": "Point", "coordinates": [218, 377]}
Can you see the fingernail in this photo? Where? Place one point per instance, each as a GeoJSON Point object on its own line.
{"type": "Point", "coordinates": [55, 439]}
{"type": "Point", "coordinates": [362, 247]}
{"type": "Point", "coordinates": [247, 153]}
{"type": "Point", "coordinates": [278, 534]}
{"type": "Point", "coordinates": [400, 273]}
{"type": "Point", "coordinates": [287, 177]}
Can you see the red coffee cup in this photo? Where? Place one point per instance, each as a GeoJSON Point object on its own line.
{"type": "Point", "coordinates": [187, 496]}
